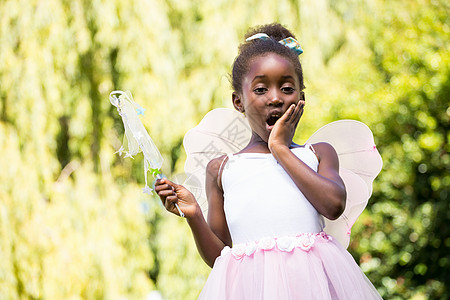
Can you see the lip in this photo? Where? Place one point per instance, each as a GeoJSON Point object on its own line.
{"type": "Point", "coordinates": [269, 127]}
{"type": "Point", "coordinates": [275, 112]}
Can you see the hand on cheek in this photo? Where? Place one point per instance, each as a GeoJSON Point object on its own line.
{"type": "Point", "coordinates": [284, 129]}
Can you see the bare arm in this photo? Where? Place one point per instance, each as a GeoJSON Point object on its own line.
{"type": "Point", "coordinates": [324, 189]}
{"type": "Point", "coordinates": [210, 239]}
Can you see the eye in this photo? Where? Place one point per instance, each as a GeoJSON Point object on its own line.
{"type": "Point", "coordinates": [260, 90]}
{"type": "Point", "coordinates": [288, 90]}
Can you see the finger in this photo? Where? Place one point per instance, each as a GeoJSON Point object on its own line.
{"type": "Point", "coordinates": [167, 205]}
{"type": "Point", "coordinates": [301, 113]}
{"type": "Point", "coordinates": [160, 187]}
{"type": "Point", "coordinates": [301, 106]}
{"type": "Point", "coordinates": [288, 114]}
{"type": "Point", "coordinates": [163, 187]}
{"type": "Point", "coordinates": [167, 181]}
{"type": "Point", "coordinates": [166, 193]}
{"type": "Point", "coordinates": [293, 113]}
{"type": "Point", "coordinates": [164, 181]}
{"type": "Point", "coordinates": [160, 181]}
{"type": "Point", "coordinates": [173, 185]}
{"type": "Point", "coordinates": [298, 111]}
{"type": "Point", "coordinates": [171, 201]}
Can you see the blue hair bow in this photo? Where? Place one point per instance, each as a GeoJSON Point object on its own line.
{"type": "Point", "coordinates": [289, 42]}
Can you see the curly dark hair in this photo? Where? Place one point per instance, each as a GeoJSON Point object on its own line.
{"type": "Point", "coordinates": [257, 47]}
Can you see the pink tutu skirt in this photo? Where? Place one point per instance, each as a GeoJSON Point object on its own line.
{"type": "Point", "coordinates": [308, 266]}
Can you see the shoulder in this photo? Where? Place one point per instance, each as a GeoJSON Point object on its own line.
{"type": "Point", "coordinates": [322, 146]}
{"type": "Point", "coordinates": [214, 170]}
{"type": "Point", "coordinates": [325, 152]}
{"type": "Point", "coordinates": [215, 164]}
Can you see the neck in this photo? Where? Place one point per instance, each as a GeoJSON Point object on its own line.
{"type": "Point", "coordinates": [256, 139]}
{"type": "Point", "coordinates": [258, 145]}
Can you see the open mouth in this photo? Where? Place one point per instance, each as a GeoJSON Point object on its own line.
{"type": "Point", "coordinates": [271, 120]}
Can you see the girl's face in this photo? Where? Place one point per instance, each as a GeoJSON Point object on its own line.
{"type": "Point", "coordinates": [268, 89]}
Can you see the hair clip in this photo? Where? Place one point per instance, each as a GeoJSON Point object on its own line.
{"type": "Point", "coordinates": [261, 36]}
{"type": "Point", "coordinates": [292, 44]}
{"type": "Point", "coordinates": [289, 42]}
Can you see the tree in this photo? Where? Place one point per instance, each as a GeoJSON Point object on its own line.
{"type": "Point", "coordinates": [402, 241]}
{"type": "Point", "coordinates": [73, 222]}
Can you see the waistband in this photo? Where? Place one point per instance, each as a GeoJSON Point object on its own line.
{"type": "Point", "coordinates": [303, 241]}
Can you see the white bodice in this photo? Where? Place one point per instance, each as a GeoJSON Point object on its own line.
{"type": "Point", "coordinates": [261, 200]}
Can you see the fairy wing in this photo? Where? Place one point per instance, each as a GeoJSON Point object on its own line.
{"type": "Point", "coordinates": [136, 138]}
{"type": "Point", "coordinates": [359, 164]}
{"type": "Point", "coordinates": [220, 132]}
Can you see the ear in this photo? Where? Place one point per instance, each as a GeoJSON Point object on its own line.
{"type": "Point", "coordinates": [237, 102]}
{"type": "Point", "coordinates": [302, 96]}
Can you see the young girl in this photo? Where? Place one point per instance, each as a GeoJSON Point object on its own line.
{"type": "Point", "coordinates": [264, 238]}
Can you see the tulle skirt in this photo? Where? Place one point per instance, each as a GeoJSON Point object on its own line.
{"type": "Point", "coordinates": [308, 266]}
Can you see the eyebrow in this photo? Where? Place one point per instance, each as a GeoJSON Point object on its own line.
{"type": "Point", "coordinates": [264, 76]}
{"type": "Point", "coordinates": [259, 77]}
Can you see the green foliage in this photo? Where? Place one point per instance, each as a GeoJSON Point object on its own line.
{"type": "Point", "coordinates": [77, 239]}
{"type": "Point", "coordinates": [73, 220]}
{"type": "Point", "coordinates": [402, 240]}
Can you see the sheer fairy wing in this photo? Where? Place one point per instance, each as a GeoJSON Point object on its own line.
{"type": "Point", "coordinates": [359, 163]}
{"type": "Point", "coordinates": [136, 138]}
{"type": "Point", "coordinates": [221, 131]}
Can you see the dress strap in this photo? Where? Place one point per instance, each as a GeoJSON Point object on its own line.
{"type": "Point", "coordinates": [219, 173]}
{"type": "Point", "coordinates": [312, 149]}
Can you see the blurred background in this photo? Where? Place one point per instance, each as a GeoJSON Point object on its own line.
{"type": "Point", "coordinates": [74, 223]}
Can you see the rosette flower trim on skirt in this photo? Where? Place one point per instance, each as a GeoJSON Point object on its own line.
{"type": "Point", "coordinates": [308, 266]}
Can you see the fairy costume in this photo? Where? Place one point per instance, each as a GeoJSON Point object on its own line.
{"type": "Point", "coordinates": [280, 249]}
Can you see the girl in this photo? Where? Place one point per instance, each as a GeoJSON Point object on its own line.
{"type": "Point", "coordinates": [264, 237]}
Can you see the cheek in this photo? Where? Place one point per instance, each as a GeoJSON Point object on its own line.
{"type": "Point", "coordinates": [299, 97]}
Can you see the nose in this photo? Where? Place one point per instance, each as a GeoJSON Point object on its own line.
{"type": "Point", "coordinates": [275, 98]}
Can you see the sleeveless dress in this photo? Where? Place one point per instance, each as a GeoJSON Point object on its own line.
{"type": "Point", "coordinates": [279, 249]}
